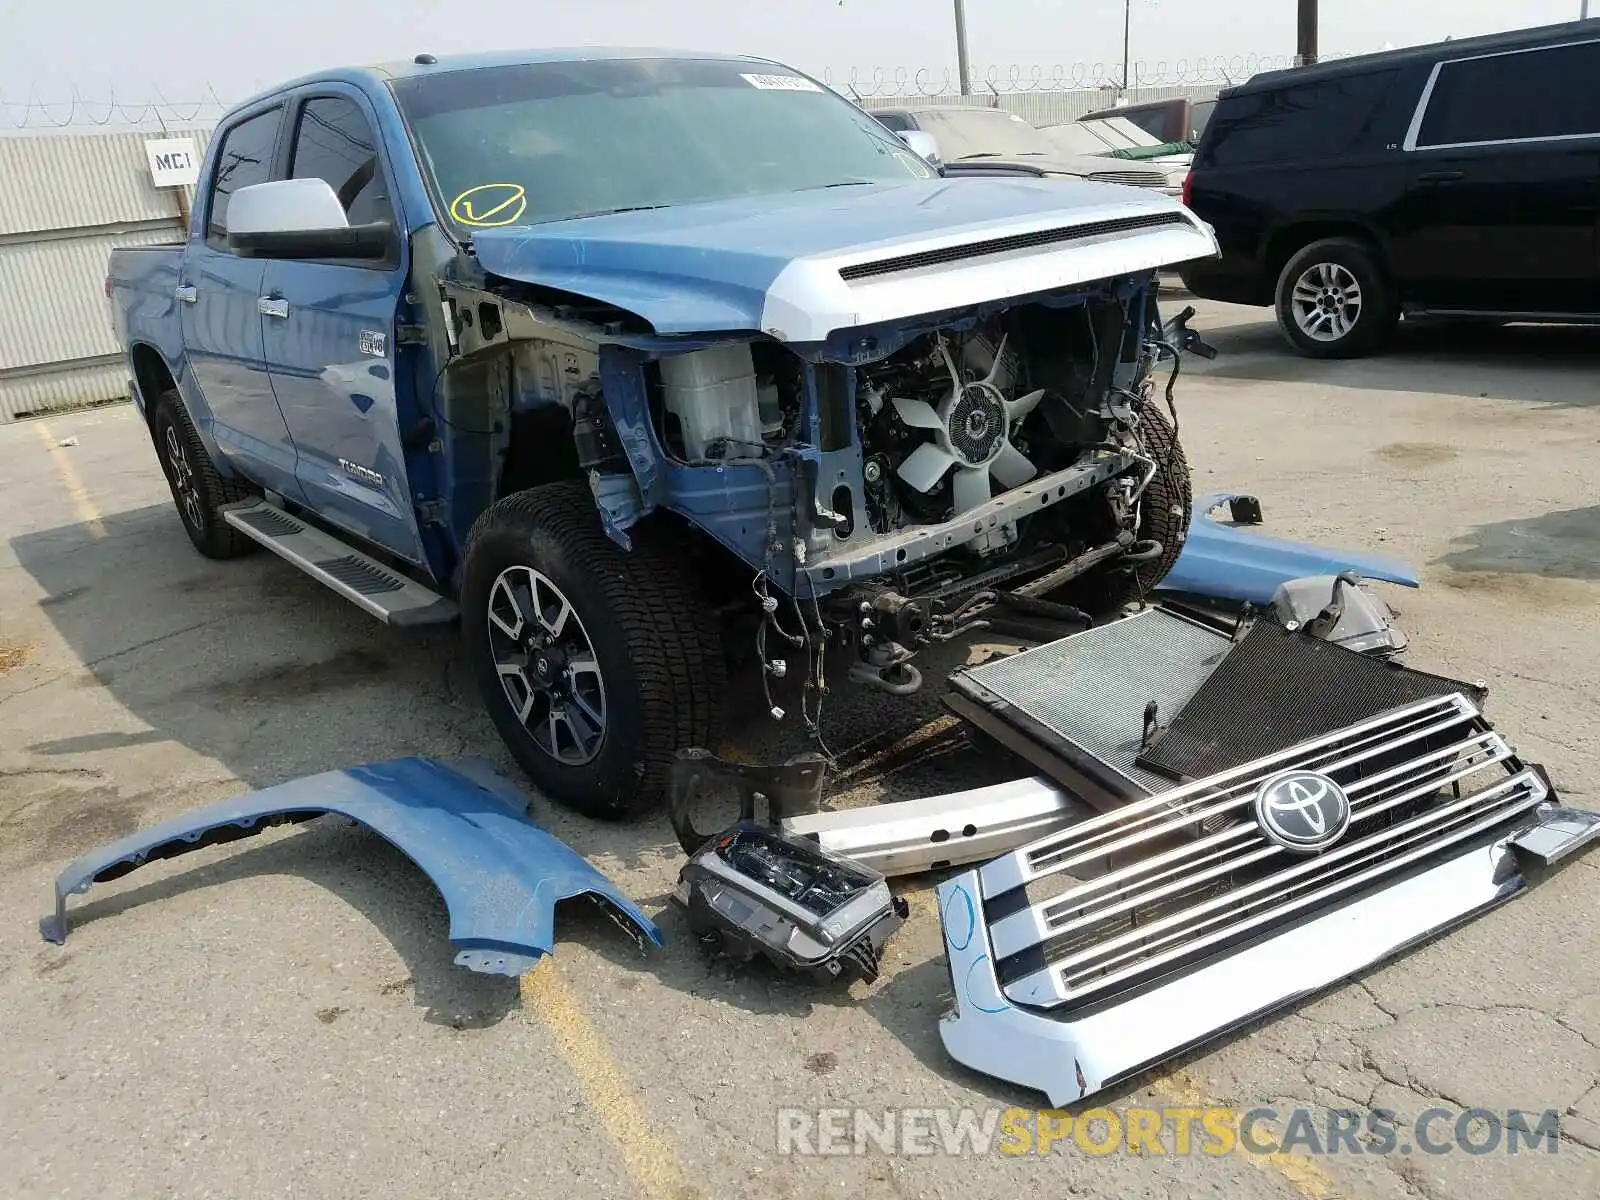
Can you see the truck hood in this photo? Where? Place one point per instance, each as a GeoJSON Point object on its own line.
{"type": "Point", "coordinates": [803, 265]}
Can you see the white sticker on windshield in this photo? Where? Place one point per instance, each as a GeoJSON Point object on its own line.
{"type": "Point", "coordinates": [780, 83]}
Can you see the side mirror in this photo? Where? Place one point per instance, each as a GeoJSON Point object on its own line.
{"type": "Point", "coordinates": [300, 218]}
{"type": "Point", "coordinates": [922, 143]}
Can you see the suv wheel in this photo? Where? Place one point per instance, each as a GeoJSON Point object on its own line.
{"type": "Point", "coordinates": [198, 489]}
{"type": "Point", "coordinates": [597, 665]}
{"type": "Point", "coordinates": [1334, 301]}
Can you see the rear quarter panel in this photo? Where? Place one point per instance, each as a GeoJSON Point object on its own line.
{"type": "Point", "coordinates": [1263, 211]}
{"type": "Point", "coordinates": [143, 283]}
{"type": "Point", "coordinates": [145, 310]}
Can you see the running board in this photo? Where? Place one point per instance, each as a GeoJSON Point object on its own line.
{"type": "Point", "coordinates": [366, 583]}
{"type": "Point", "coordinates": [930, 834]}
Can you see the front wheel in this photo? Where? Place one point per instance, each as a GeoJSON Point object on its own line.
{"type": "Point", "coordinates": [1165, 507]}
{"type": "Point", "coordinates": [597, 665]}
{"type": "Point", "coordinates": [1333, 300]}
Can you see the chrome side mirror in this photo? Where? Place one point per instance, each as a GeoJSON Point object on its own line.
{"type": "Point", "coordinates": [300, 218]}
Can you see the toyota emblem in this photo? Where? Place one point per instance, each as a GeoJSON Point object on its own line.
{"type": "Point", "coordinates": [1302, 811]}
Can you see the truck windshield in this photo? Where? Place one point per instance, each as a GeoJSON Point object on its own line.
{"type": "Point", "coordinates": [551, 141]}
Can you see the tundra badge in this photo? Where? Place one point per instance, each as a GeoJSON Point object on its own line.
{"type": "Point", "coordinates": [357, 471]}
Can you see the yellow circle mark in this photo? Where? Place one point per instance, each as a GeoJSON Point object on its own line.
{"type": "Point", "coordinates": [490, 204]}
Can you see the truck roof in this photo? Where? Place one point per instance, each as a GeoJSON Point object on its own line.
{"type": "Point", "coordinates": [1515, 39]}
{"type": "Point", "coordinates": [444, 64]}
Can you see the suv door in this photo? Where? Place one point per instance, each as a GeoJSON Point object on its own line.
{"type": "Point", "coordinates": [218, 293]}
{"type": "Point", "coordinates": [1503, 199]}
{"type": "Point", "coordinates": [329, 336]}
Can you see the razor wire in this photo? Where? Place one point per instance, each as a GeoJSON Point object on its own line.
{"type": "Point", "coordinates": [79, 110]}
{"type": "Point", "coordinates": [1222, 70]}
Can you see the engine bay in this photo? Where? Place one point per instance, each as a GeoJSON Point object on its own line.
{"type": "Point", "coordinates": [884, 490]}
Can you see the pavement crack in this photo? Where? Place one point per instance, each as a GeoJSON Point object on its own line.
{"type": "Point", "coordinates": [1412, 1179]}
{"type": "Point", "coordinates": [1377, 1003]}
{"type": "Point", "coordinates": [159, 638]}
{"type": "Point", "coordinates": [68, 772]}
{"type": "Point", "coordinates": [34, 687]}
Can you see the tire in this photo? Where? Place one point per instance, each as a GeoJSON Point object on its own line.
{"type": "Point", "coordinates": [199, 490]}
{"type": "Point", "coordinates": [638, 649]}
{"type": "Point", "coordinates": [1342, 279]}
{"type": "Point", "coordinates": [1165, 508]}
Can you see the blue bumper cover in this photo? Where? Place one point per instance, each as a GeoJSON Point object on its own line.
{"type": "Point", "coordinates": [500, 875]}
{"type": "Point", "coordinates": [1227, 563]}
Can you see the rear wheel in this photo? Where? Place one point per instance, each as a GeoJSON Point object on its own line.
{"type": "Point", "coordinates": [198, 488]}
{"type": "Point", "coordinates": [1333, 300]}
{"type": "Point", "coordinates": [597, 665]}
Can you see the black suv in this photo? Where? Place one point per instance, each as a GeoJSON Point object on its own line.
{"type": "Point", "coordinates": [1458, 180]}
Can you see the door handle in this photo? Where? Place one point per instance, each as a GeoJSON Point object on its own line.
{"type": "Point", "coordinates": [186, 293]}
{"type": "Point", "coordinates": [1440, 176]}
{"type": "Point", "coordinates": [268, 306]}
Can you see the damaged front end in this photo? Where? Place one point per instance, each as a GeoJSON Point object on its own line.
{"type": "Point", "coordinates": [885, 437]}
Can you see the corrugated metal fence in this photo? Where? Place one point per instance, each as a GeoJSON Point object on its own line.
{"type": "Point", "coordinates": [65, 201]}
{"type": "Point", "coordinates": [1047, 108]}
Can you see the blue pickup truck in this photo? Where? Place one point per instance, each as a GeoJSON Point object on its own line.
{"type": "Point", "coordinates": [618, 358]}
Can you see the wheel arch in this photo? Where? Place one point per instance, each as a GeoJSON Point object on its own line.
{"type": "Point", "coordinates": [1288, 240]}
{"type": "Point", "coordinates": [151, 376]}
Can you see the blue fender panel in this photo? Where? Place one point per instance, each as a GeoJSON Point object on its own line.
{"type": "Point", "coordinates": [1229, 563]}
{"type": "Point", "coordinates": [499, 873]}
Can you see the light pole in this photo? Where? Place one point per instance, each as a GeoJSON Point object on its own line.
{"type": "Point", "coordinates": [1127, 31]}
{"type": "Point", "coordinates": [962, 67]}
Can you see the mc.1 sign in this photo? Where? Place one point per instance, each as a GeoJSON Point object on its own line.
{"type": "Point", "coordinates": [174, 162]}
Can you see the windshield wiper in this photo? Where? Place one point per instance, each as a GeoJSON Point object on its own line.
{"type": "Point", "coordinates": [1003, 154]}
{"type": "Point", "coordinates": [839, 183]}
{"type": "Point", "coordinates": [607, 212]}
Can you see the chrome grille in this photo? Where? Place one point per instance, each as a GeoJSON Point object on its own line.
{"type": "Point", "coordinates": [1164, 883]}
{"type": "Point", "coordinates": [1129, 178]}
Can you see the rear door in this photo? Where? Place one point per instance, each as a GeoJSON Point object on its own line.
{"type": "Point", "coordinates": [329, 334]}
{"type": "Point", "coordinates": [1503, 200]}
{"type": "Point", "coordinates": [218, 295]}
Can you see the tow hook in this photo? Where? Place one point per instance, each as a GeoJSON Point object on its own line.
{"type": "Point", "coordinates": [898, 679]}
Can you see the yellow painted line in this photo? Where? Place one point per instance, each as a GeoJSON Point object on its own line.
{"type": "Point", "coordinates": [650, 1162]}
{"type": "Point", "coordinates": [82, 505]}
{"type": "Point", "coordinates": [1301, 1173]}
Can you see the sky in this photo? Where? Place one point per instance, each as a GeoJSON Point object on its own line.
{"type": "Point", "coordinates": [142, 50]}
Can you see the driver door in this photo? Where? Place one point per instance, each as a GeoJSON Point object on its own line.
{"type": "Point", "coordinates": [329, 328]}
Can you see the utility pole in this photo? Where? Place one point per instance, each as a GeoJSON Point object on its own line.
{"type": "Point", "coordinates": [1127, 39]}
{"type": "Point", "coordinates": [962, 66]}
{"type": "Point", "coordinates": [1306, 34]}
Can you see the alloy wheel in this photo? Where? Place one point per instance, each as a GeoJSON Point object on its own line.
{"type": "Point", "coordinates": [547, 665]}
{"type": "Point", "coordinates": [1326, 301]}
{"type": "Point", "coordinates": [184, 482]}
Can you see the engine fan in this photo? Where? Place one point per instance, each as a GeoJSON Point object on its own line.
{"type": "Point", "coordinates": [971, 432]}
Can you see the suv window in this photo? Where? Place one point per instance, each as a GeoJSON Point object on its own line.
{"type": "Point", "coordinates": [1331, 116]}
{"type": "Point", "coordinates": [893, 121]}
{"type": "Point", "coordinates": [244, 159]}
{"type": "Point", "coordinates": [334, 142]}
{"type": "Point", "coordinates": [1508, 97]}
